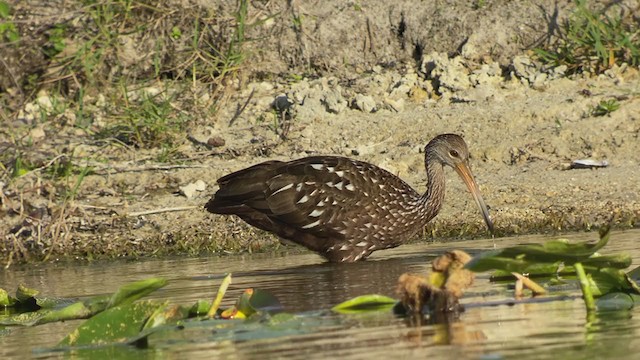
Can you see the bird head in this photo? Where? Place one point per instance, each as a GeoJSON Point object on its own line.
{"type": "Point", "coordinates": [451, 150]}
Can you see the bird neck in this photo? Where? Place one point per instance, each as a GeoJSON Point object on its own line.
{"type": "Point", "coordinates": [433, 197]}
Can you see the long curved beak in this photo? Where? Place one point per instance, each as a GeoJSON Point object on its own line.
{"type": "Point", "coordinates": [465, 173]}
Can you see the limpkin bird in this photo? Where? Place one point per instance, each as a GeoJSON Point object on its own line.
{"type": "Point", "coordinates": [341, 208]}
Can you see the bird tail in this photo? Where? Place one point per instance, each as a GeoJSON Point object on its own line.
{"type": "Point", "coordinates": [241, 189]}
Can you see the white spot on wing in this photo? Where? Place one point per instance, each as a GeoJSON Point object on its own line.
{"type": "Point", "coordinates": [317, 166]}
{"type": "Point", "coordinates": [331, 169]}
{"type": "Point", "coordinates": [316, 213]}
{"type": "Point", "coordinates": [344, 247]}
{"type": "Point", "coordinates": [284, 188]}
{"type": "Point", "coordinates": [339, 185]}
{"type": "Point", "coordinates": [340, 173]}
{"type": "Point", "coordinates": [303, 200]}
{"type": "Point", "coordinates": [350, 187]}
{"type": "Point", "coordinates": [299, 187]}
{"type": "Point", "coordinates": [362, 244]}
{"type": "Point", "coordinates": [313, 224]}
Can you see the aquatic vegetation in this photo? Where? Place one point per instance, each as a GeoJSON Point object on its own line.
{"type": "Point", "coordinates": [599, 276]}
{"type": "Point", "coordinates": [123, 318]}
{"type": "Point", "coordinates": [441, 291]}
{"type": "Point", "coordinates": [365, 303]}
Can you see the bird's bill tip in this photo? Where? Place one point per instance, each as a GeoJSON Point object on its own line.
{"type": "Point", "coordinates": [465, 173]}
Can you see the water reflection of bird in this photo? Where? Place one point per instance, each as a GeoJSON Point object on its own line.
{"type": "Point", "coordinates": [343, 209]}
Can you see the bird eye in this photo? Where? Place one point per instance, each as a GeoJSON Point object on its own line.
{"type": "Point", "coordinates": [454, 153]}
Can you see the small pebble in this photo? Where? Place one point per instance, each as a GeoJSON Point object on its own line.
{"type": "Point", "coordinates": [588, 164]}
{"type": "Point", "coordinates": [190, 190]}
{"type": "Point", "coordinates": [216, 141]}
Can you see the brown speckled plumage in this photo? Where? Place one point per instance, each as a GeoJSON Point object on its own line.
{"type": "Point", "coordinates": [343, 209]}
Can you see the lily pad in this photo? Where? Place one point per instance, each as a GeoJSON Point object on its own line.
{"type": "Point", "coordinates": [365, 303]}
{"type": "Point", "coordinates": [496, 259]}
{"type": "Point", "coordinates": [80, 309]}
{"type": "Point", "coordinates": [615, 301]}
{"type": "Point", "coordinates": [24, 293]}
{"type": "Point", "coordinates": [5, 299]}
{"type": "Point", "coordinates": [133, 291]}
{"type": "Point", "coordinates": [618, 261]}
{"type": "Point", "coordinates": [556, 250]}
{"type": "Point", "coordinates": [201, 307]}
{"type": "Point", "coordinates": [115, 325]}
{"type": "Point", "coordinates": [252, 301]}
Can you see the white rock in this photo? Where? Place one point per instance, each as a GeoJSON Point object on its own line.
{"type": "Point", "coordinates": [365, 103]}
{"type": "Point", "coordinates": [190, 190]}
{"type": "Point", "coordinates": [37, 133]}
{"type": "Point", "coordinates": [451, 73]}
{"type": "Point", "coordinates": [525, 68]}
{"type": "Point", "coordinates": [396, 105]}
{"type": "Point", "coordinates": [334, 101]}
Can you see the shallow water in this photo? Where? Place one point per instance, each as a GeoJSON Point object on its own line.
{"type": "Point", "coordinates": [304, 283]}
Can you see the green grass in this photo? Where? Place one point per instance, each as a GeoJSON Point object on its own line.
{"type": "Point", "coordinates": [193, 45]}
{"type": "Point", "coordinates": [8, 29]}
{"type": "Point", "coordinates": [605, 107]}
{"type": "Point", "coordinates": [147, 122]}
{"type": "Point", "coordinates": [594, 41]}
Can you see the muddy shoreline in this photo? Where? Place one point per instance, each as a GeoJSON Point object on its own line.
{"type": "Point", "coordinates": [524, 123]}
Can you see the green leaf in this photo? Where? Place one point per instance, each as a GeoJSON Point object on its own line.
{"type": "Point", "coordinates": [365, 303]}
{"type": "Point", "coordinates": [50, 303]}
{"type": "Point", "coordinates": [5, 299]}
{"type": "Point", "coordinates": [635, 273]}
{"type": "Point", "coordinates": [213, 310]}
{"type": "Point", "coordinates": [608, 280]}
{"type": "Point", "coordinates": [491, 260]}
{"type": "Point", "coordinates": [201, 307]}
{"type": "Point", "coordinates": [4, 10]}
{"type": "Point", "coordinates": [166, 314]}
{"type": "Point", "coordinates": [262, 300]}
{"type": "Point", "coordinates": [115, 325]}
{"type": "Point", "coordinates": [12, 34]}
{"type": "Point", "coordinates": [75, 311]}
{"type": "Point", "coordinates": [176, 33]}
{"type": "Point", "coordinates": [25, 319]}
{"type": "Point", "coordinates": [135, 290]}
{"type": "Point", "coordinates": [531, 270]}
{"type": "Point", "coordinates": [243, 305]}
{"type": "Point", "coordinates": [619, 261]}
{"type": "Point", "coordinates": [521, 258]}
{"type": "Point", "coordinates": [24, 293]}
{"type": "Point", "coordinates": [559, 250]}
{"type": "Point", "coordinates": [615, 301]}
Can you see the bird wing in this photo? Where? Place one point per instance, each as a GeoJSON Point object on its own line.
{"type": "Point", "coordinates": [326, 196]}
